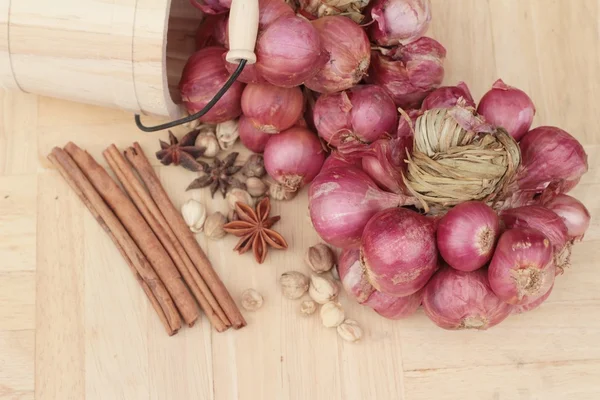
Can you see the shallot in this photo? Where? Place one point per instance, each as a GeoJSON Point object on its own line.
{"type": "Point", "coordinates": [271, 10]}
{"type": "Point", "coordinates": [466, 235]}
{"type": "Point", "coordinates": [463, 300]}
{"type": "Point", "coordinates": [289, 51]}
{"type": "Point", "coordinates": [541, 218]}
{"type": "Point", "coordinates": [249, 74]}
{"type": "Point", "coordinates": [549, 155]}
{"type": "Point", "coordinates": [349, 52]}
{"type": "Point", "coordinates": [336, 160]}
{"type": "Point", "coordinates": [533, 305]}
{"type": "Point", "coordinates": [294, 157]}
{"type": "Point", "coordinates": [341, 202]}
{"type": "Point", "coordinates": [399, 21]}
{"type": "Point", "coordinates": [448, 96]}
{"type": "Point", "coordinates": [522, 269]}
{"type": "Point", "coordinates": [353, 276]}
{"type": "Point", "coordinates": [363, 113]}
{"type": "Point", "coordinates": [212, 32]}
{"type": "Point", "coordinates": [509, 108]}
{"type": "Point", "coordinates": [203, 76]}
{"type": "Point", "coordinates": [398, 251]}
{"type": "Point", "coordinates": [270, 108]}
{"type": "Point", "coordinates": [392, 307]}
{"type": "Point", "coordinates": [254, 139]}
{"type": "Point", "coordinates": [573, 213]}
{"type": "Point", "coordinates": [409, 73]}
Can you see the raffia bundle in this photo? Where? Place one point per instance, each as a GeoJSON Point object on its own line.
{"type": "Point", "coordinates": [458, 157]}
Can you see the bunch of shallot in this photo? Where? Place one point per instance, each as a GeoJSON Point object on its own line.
{"type": "Point", "coordinates": [447, 203]}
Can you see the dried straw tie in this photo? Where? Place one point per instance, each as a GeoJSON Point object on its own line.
{"type": "Point", "coordinates": [457, 157]}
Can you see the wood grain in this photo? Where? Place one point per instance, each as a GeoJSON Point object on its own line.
{"type": "Point", "coordinates": [74, 325]}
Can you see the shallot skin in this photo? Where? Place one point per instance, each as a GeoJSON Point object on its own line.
{"type": "Point", "coordinates": [538, 217]}
{"type": "Point", "coordinates": [466, 235]}
{"type": "Point", "coordinates": [448, 96]}
{"type": "Point", "coordinates": [522, 269]}
{"type": "Point", "coordinates": [573, 213]}
{"type": "Point", "coordinates": [349, 52]}
{"type": "Point", "coordinates": [533, 305]}
{"type": "Point", "coordinates": [398, 251]}
{"type": "Point", "coordinates": [289, 52]}
{"type": "Point", "coordinates": [409, 73]}
{"type": "Point", "coordinates": [507, 107]}
{"type": "Point", "coordinates": [253, 138]}
{"type": "Point", "coordinates": [457, 300]}
{"type": "Point", "coordinates": [202, 77]}
{"type": "Point", "coordinates": [272, 109]}
{"type": "Point", "coordinates": [353, 277]}
{"type": "Point", "coordinates": [392, 307]}
{"type": "Point", "coordinates": [399, 21]}
{"type": "Point", "coordinates": [294, 157]}
{"type": "Point", "coordinates": [550, 155]}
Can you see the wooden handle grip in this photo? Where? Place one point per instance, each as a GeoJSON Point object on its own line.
{"type": "Point", "coordinates": [243, 28]}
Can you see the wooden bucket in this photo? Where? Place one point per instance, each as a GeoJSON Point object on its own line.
{"type": "Point", "coordinates": [126, 54]}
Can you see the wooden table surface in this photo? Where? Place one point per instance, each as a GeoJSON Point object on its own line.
{"type": "Point", "coordinates": [75, 325]}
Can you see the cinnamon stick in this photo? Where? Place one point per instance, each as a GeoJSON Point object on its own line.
{"type": "Point", "coordinates": [141, 164]}
{"type": "Point", "coordinates": [155, 290]}
{"type": "Point", "coordinates": [159, 225]}
{"type": "Point", "coordinates": [139, 230]}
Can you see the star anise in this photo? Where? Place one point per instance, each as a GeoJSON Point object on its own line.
{"type": "Point", "coordinates": [218, 176]}
{"type": "Point", "coordinates": [182, 152]}
{"type": "Point", "coordinates": [253, 228]}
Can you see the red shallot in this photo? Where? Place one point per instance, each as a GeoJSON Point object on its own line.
{"type": "Point", "coordinates": [341, 202]}
{"type": "Point", "coordinates": [573, 213]}
{"type": "Point", "coordinates": [289, 52]}
{"type": "Point", "coordinates": [294, 157]}
{"type": "Point", "coordinates": [254, 139]}
{"type": "Point", "coordinates": [203, 76]}
{"type": "Point", "coordinates": [533, 305]}
{"type": "Point", "coordinates": [271, 10]}
{"type": "Point", "coordinates": [448, 96]}
{"type": "Point", "coordinates": [392, 307]}
{"type": "Point", "coordinates": [353, 276]}
{"type": "Point", "coordinates": [336, 160]}
{"type": "Point", "coordinates": [399, 21]}
{"type": "Point", "coordinates": [363, 113]}
{"type": "Point", "coordinates": [466, 235]}
{"type": "Point", "coordinates": [507, 107]}
{"type": "Point", "coordinates": [541, 218]}
{"type": "Point", "coordinates": [549, 155]}
{"type": "Point", "coordinates": [409, 73]}
{"type": "Point", "coordinates": [522, 269]}
{"type": "Point", "coordinates": [349, 53]}
{"type": "Point", "coordinates": [212, 32]}
{"type": "Point", "coordinates": [406, 124]}
{"type": "Point", "coordinates": [249, 74]}
{"type": "Point", "coordinates": [398, 251]}
{"type": "Point", "coordinates": [272, 109]}
{"type": "Point", "coordinates": [463, 300]}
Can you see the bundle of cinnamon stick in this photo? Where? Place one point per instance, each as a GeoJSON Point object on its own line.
{"type": "Point", "coordinates": [151, 235]}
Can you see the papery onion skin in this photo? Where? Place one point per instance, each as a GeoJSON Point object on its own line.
{"type": "Point", "coordinates": [392, 307]}
{"type": "Point", "coordinates": [353, 277]}
{"type": "Point", "coordinates": [466, 235]}
{"type": "Point", "coordinates": [335, 160]}
{"type": "Point", "coordinates": [289, 52]}
{"type": "Point", "coordinates": [363, 113]}
{"type": "Point", "coordinates": [550, 155]}
{"type": "Point", "coordinates": [202, 77]}
{"type": "Point", "coordinates": [341, 202]}
{"type": "Point", "coordinates": [406, 124]}
{"type": "Point", "coordinates": [507, 107]}
{"type": "Point", "coordinates": [457, 300]}
{"type": "Point", "coordinates": [399, 21]}
{"type": "Point", "coordinates": [254, 139]}
{"type": "Point", "coordinates": [249, 74]}
{"type": "Point", "coordinates": [573, 213]}
{"type": "Point", "coordinates": [294, 157]}
{"type": "Point", "coordinates": [212, 31]}
{"type": "Point", "coordinates": [448, 96]}
{"type": "Point", "coordinates": [408, 73]}
{"type": "Point", "coordinates": [271, 10]}
{"type": "Point", "coordinates": [349, 53]}
{"type": "Point", "coordinates": [522, 269]}
{"type": "Point", "coordinates": [538, 217]}
{"type": "Point", "coordinates": [533, 305]}
{"type": "Point", "coordinates": [398, 251]}
{"type": "Point", "coordinates": [272, 109]}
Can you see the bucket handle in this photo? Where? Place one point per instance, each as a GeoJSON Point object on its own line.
{"type": "Point", "coordinates": [243, 29]}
